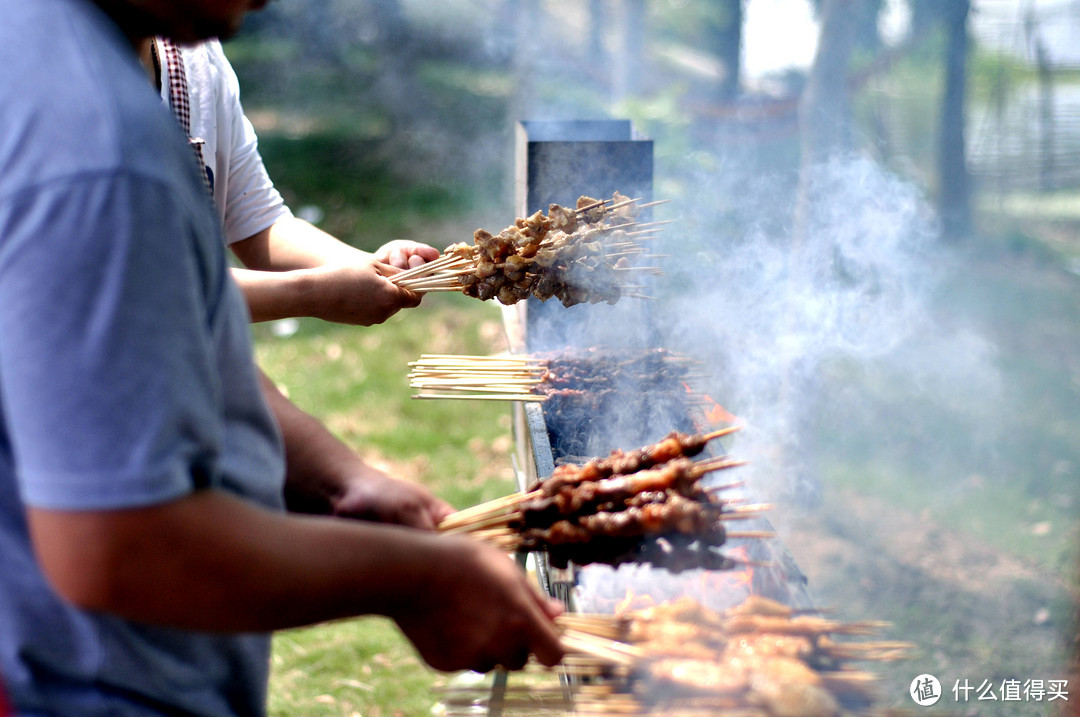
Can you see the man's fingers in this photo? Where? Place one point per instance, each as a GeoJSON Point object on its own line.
{"type": "Point", "coordinates": [427, 253]}
{"type": "Point", "coordinates": [416, 260]}
{"type": "Point", "coordinates": [544, 636]}
{"type": "Point", "coordinates": [546, 645]}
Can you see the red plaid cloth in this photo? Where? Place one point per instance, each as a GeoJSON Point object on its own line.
{"type": "Point", "coordinates": [180, 101]}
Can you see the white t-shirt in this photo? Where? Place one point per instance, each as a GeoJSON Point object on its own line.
{"type": "Point", "coordinates": [244, 196]}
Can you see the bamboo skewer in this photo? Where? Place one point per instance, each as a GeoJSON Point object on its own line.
{"type": "Point", "coordinates": [508, 504]}
{"type": "Point", "coordinates": [492, 397]}
{"type": "Point", "coordinates": [447, 272]}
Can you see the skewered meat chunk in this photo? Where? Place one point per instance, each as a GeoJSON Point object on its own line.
{"type": "Point", "coordinates": [702, 675]}
{"type": "Point", "coordinates": [789, 688]}
{"type": "Point", "coordinates": [684, 609]}
{"type": "Point", "coordinates": [685, 517]}
{"type": "Point", "coordinates": [760, 605]}
{"type": "Point", "coordinates": [771, 645]}
{"type": "Point", "coordinates": [562, 218]}
{"type": "Point", "coordinates": [542, 256]}
{"type": "Point", "coordinates": [674, 445]}
{"type": "Point", "coordinates": [691, 655]}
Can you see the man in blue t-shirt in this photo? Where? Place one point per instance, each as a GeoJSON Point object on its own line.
{"type": "Point", "coordinates": [144, 551]}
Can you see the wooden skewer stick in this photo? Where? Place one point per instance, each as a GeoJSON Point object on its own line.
{"type": "Point", "coordinates": [715, 464]}
{"type": "Point", "coordinates": [491, 397]}
{"type": "Point", "coordinates": [652, 224]}
{"type": "Point", "coordinates": [434, 279]}
{"type": "Point", "coordinates": [429, 267]}
{"type": "Point", "coordinates": [594, 205]}
{"type": "Point", "coordinates": [420, 286]}
{"type": "Point", "coordinates": [481, 524]}
{"type": "Point", "coordinates": [620, 205]}
{"type": "Point", "coordinates": [432, 290]}
{"type": "Point", "coordinates": [726, 486]}
{"type": "Point", "coordinates": [477, 379]}
{"type": "Point", "coordinates": [468, 384]}
{"type": "Point", "coordinates": [597, 647]}
{"type": "Point", "coordinates": [471, 358]}
{"type": "Point", "coordinates": [750, 534]}
{"type": "Point", "coordinates": [752, 508]}
{"type": "Point", "coordinates": [465, 515]}
{"type": "Point", "coordinates": [467, 390]}
{"type": "Point", "coordinates": [721, 432]}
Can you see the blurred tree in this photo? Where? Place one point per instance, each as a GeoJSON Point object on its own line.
{"type": "Point", "coordinates": [925, 15]}
{"type": "Point", "coordinates": [726, 42]}
{"type": "Point", "coordinates": [867, 13]}
{"type": "Point", "coordinates": [1047, 180]}
{"type": "Point", "coordinates": [954, 181]}
{"type": "Point", "coordinates": [598, 25]}
{"type": "Point", "coordinates": [631, 50]}
{"type": "Point", "coordinates": [825, 115]}
{"type": "Point", "coordinates": [395, 52]}
{"type": "Point", "coordinates": [525, 15]}
{"type": "Point", "coordinates": [867, 32]}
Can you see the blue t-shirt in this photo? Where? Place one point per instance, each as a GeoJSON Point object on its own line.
{"type": "Point", "coordinates": [126, 369]}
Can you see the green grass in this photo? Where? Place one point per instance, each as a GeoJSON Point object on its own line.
{"type": "Point", "coordinates": [355, 380]}
{"type": "Point", "coordinates": [360, 666]}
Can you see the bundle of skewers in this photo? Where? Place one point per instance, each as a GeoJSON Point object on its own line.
{"type": "Point", "coordinates": [758, 659]}
{"type": "Point", "coordinates": [578, 255]}
{"type": "Point", "coordinates": [601, 510]}
{"type": "Point", "coordinates": [571, 376]}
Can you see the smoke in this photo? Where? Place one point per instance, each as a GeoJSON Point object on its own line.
{"type": "Point", "coordinates": [790, 327]}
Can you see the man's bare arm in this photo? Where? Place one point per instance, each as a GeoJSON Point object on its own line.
{"type": "Point", "coordinates": [210, 561]}
{"type": "Point", "coordinates": [325, 476]}
{"type": "Point", "coordinates": [295, 269]}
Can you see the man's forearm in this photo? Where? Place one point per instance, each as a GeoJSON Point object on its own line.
{"type": "Point", "coordinates": [316, 462]}
{"type": "Point", "coordinates": [275, 295]}
{"type": "Point", "coordinates": [291, 244]}
{"type": "Point", "coordinates": [213, 562]}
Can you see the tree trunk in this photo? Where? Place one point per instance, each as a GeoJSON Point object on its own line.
{"type": "Point", "coordinates": [628, 79]}
{"type": "Point", "coordinates": [1047, 181]}
{"type": "Point", "coordinates": [825, 106]}
{"type": "Point", "coordinates": [954, 182]}
{"type": "Point", "coordinates": [526, 28]}
{"type": "Point", "coordinates": [396, 83]}
{"type": "Point", "coordinates": [727, 44]}
{"type": "Point", "coordinates": [598, 25]}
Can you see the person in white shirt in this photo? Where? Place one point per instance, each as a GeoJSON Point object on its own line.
{"type": "Point", "coordinates": [291, 268]}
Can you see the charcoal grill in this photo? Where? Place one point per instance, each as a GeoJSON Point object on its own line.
{"type": "Point", "coordinates": [556, 163]}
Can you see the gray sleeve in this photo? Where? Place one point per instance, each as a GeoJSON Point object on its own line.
{"type": "Point", "coordinates": [107, 368]}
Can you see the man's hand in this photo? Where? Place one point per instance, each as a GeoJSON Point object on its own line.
{"type": "Point", "coordinates": [404, 254]}
{"type": "Point", "coordinates": [374, 495]}
{"type": "Point", "coordinates": [479, 610]}
{"type": "Point", "coordinates": [295, 269]}
{"type": "Point", "coordinates": [360, 294]}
